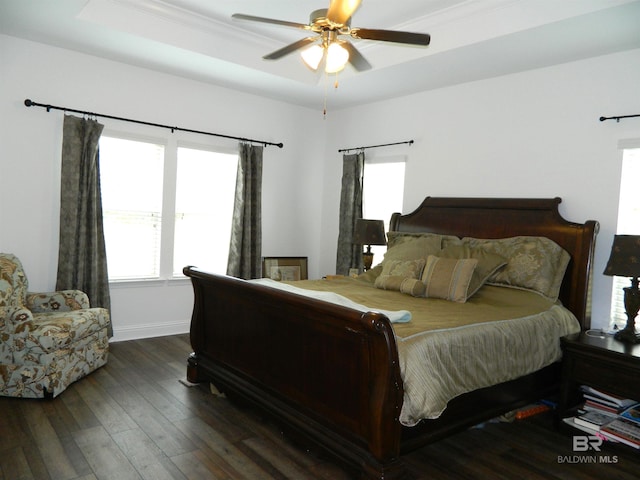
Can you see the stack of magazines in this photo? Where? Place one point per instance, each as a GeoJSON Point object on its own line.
{"type": "Point", "coordinates": [614, 418]}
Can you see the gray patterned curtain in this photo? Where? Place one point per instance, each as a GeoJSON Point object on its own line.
{"type": "Point", "coordinates": [82, 257]}
{"type": "Point", "coordinates": [350, 255]}
{"type": "Point", "coordinates": [245, 248]}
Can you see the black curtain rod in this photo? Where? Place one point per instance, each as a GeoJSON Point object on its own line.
{"type": "Point", "coordinates": [617, 119]}
{"type": "Point", "coordinates": [410, 142]}
{"type": "Point", "coordinates": [30, 103]}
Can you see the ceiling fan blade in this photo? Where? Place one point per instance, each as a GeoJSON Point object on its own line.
{"type": "Point", "coordinates": [340, 11]}
{"type": "Point", "coordinates": [290, 48]}
{"type": "Point", "coordinates": [251, 18]}
{"type": "Point", "coordinates": [355, 58]}
{"type": "Point", "coordinates": [391, 36]}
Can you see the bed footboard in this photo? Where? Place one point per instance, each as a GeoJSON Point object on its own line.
{"type": "Point", "coordinates": [329, 375]}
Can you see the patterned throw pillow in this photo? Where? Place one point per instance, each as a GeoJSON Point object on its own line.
{"type": "Point", "coordinates": [404, 268]}
{"type": "Point", "coordinates": [395, 272]}
{"type": "Point", "coordinates": [448, 278]}
{"type": "Point", "coordinates": [411, 247]}
{"type": "Point", "coordinates": [398, 238]}
{"type": "Point", "coordinates": [488, 263]}
{"type": "Point", "coordinates": [534, 263]}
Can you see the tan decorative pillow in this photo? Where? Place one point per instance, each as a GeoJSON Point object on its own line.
{"type": "Point", "coordinates": [450, 240]}
{"type": "Point", "coordinates": [395, 272]}
{"type": "Point", "coordinates": [534, 263]}
{"type": "Point", "coordinates": [397, 238]}
{"type": "Point", "coordinates": [448, 278]}
{"type": "Point", "coordinates": [370, 275]}
{"type": "Point", "coordinates": [412, 286]}
{"type": "Point", "coordinates": [412, 247]}
{"type": "Point", "coordinates": [404, 268]}
{"type": "Point", "coordinates": [488, 263]}
{"type": "Point", "coordinates": [389, 282]}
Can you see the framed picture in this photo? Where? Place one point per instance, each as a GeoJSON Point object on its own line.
{"type": "Point", "coordinates": [284, 268]}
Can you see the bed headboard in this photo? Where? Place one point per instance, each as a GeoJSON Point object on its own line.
{"type": "Point", "coordinates": [510, 217]}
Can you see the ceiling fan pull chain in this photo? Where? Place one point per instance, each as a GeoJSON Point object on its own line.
{"type": "Point", "coordinates": [326, 85]}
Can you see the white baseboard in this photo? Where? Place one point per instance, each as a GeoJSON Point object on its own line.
{"type": "Point", "coordinates": [149, 330]}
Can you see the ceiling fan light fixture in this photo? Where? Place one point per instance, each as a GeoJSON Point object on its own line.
{"type": "Point", "coordinates": [312, 56]}
{"type": "Point", "coordinates": [337, 57]}
{"type": "Point", "coordinates": [328, 24]}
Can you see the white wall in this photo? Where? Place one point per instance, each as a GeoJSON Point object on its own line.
{"type": "Point", "coordinates": [532, 134]}
{"type": "Point", "coordinates": [30, 140]}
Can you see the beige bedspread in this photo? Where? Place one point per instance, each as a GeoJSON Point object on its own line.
{"type": "Point", "coordinates": [451, 348]}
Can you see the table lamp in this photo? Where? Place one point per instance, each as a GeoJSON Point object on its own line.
{"type": "Point", "coordinates": [369, 232]}
{"type": "Point", "coordinates": [625, 262]}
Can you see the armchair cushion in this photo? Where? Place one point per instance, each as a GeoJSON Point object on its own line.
{"type": "Point", "coordinates": [13, 281]}
{"type": "Point", "coordinates": [57, 330]}
{"type": "Point", "coordinates": [62, 301]}
{"type": "Point", "coordinates": [48, 340]}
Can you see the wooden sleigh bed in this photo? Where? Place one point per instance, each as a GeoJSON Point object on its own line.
{"type": "Point", "coordinates": [330, 375]}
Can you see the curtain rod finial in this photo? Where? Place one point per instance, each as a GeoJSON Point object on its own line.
{"type": "Point", "coordinates": [28, 102]}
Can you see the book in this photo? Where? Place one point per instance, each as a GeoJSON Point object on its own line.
{"type": "Point", "coordinates": [606, 398]}
{"type": "Point", "coordinates": [624, 431]}
{"type": "Point", "coordinates": [572, 422]}
{"type": "Point", "coordinates": [591, 405]}
{"type": "Point", "coordinates": [632, 413]}
{"type": "Point", "coordinates": [594, 419]}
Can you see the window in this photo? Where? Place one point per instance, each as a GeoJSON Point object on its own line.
{"type": "Point", "coordinates": [382, 175]}
{"type": "Point", "coordinates": [131, 176]}
{"type": "Point", "coordinates": [205, 190]}
{"type": "Point", "coordinates": [628, 223]}
{"type": "Point", "coordinates": [165, 206]}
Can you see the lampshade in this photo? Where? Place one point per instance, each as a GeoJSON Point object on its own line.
{"type": "Point", "coordinates": [312, 56]}
{"type": "Point", "coordinates": [369, 232]}
{"type": "Point", "coordinates": [625, 257]}
{"type": "Point", "coordinates": [337, 58]}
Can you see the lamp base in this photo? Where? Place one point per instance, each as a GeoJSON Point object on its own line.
{"type": "Point", "coordinates": [627, 335]}
{"type": "Point", "coordinates": [631, 307]}
{"type": "Point", "coordinates": [367, 260]}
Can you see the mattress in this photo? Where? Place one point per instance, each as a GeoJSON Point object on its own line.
{"type": "Point", "coordinates": [446, 348]}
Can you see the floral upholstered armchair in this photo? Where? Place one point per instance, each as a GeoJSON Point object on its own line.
{"type": "Point", "coordinates": [47, 340]}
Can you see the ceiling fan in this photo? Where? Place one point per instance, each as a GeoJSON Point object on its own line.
{"type": "Point", "coordinates": [329, 25]}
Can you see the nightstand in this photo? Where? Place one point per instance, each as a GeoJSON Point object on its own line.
{"type": "Point", "coordinates": [600, 362]}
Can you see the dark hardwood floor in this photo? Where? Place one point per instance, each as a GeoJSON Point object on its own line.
{"type": "Point", "coordinates": [134, 419]}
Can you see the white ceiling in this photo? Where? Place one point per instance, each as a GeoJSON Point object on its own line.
{"type": "Point", "coordinates": [470, 40]}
